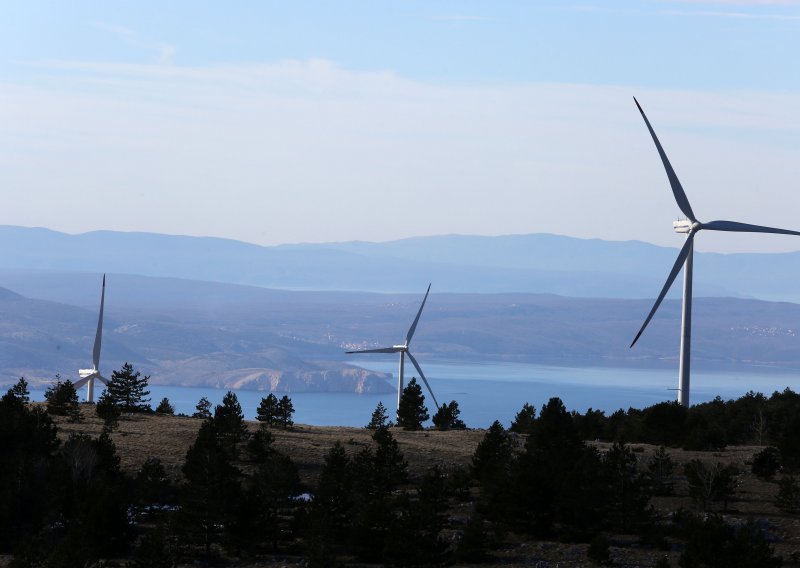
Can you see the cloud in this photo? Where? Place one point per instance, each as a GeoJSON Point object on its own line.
{"type": "Point", "coordinates": [307, 150]}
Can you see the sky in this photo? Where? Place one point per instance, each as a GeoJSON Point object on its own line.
{"type": "Point", "coordinates": [280, 122]}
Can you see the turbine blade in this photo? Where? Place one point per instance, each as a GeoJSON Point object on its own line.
{"type": "Point", "coordinates": [80, 382]}
{"type": "Point", "coordinates": [102, 379]}
{"type": "Point", "coordinates": [98, 338]}
{"type": "Point", "coordinates": [744, 228]}
{"type": "Point", "coordinates": [677, 188]}
{"type": "Point", "coordinates": [381, 350]}
{"type": "Point", "coordinates": [422, 376]}
{"type": "Point", "coordinates": [676, 268]}
{"type": "Point", "coordinates": [413, 327]}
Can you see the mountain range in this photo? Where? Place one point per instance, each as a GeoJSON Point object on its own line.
{"type": "Point", "coordinates": [173, 307]}
{"type": "Point", "coordinates": [535, 263]}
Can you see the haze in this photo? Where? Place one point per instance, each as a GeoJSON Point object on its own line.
{"type": "Point", "coordinates": [275, 122]}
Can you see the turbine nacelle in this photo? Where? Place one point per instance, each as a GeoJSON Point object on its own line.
{"type": "Point", "coordinates": [87, 373]}
{"type": "Point", "coordinates": [686, 226]}
{"type": "Point", "coordinates": [400, 347]}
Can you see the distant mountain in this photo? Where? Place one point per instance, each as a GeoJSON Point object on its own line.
{"type": "Point", "coordinates": [201, 333]}
{"type": "Point", "coordinates": [39, 339]}
{"type": "Point", "coordinates": [536, 263]}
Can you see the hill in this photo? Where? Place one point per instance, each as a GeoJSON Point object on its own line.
{"type": "Point", "coordinates": [168, 438]}
{"type": "Point", "coordinates": [231, 336]}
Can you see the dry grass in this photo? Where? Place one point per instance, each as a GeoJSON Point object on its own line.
{"type": "Point", "coordinates": [169, 437]}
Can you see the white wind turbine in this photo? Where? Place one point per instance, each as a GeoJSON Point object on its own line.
{"type": "Point", "coordinates": [403, 350]}
{"type": "Point", "coordinates": [689, 227]}
{"type": "Point", "coordinates": [89, 375]}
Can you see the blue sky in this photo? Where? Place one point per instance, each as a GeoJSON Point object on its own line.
{"type": "Point", "coordinates": [311, 121]}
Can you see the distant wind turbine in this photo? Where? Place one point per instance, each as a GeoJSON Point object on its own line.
{"type": "Point", "coordinates": [689, 227]}
{"type": "Point", "coordinates": [403, 350]}
{"type": "Point", "coordinates": [89, 375]}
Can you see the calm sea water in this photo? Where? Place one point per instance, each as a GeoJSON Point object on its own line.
{"type": "Point", "coordinates": [488, 392]}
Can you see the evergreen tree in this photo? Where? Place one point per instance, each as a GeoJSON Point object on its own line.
{"type": "Point", "coordinates": [269, 494]}
{"type": "Point", "coordinates": [379, 419]}
{"type": "Point", "coordinates": [128, 389]}
{"type": "Point", "coordinates": [524, 420]}
{"type": "Point", "coordinates": [267, 412]}
{"type": "Point", "coordinates": [164, 407]}
{"type": "Point", "coordinates": [151, 486]}
{"type": "Point", "coordinates": [628, 488]}
{"type": "Point", "coordinates": [211, 493]}
{"type": "Point", "coordinates": [446, 417]}
{"type": "Point", "coordinates": [285, 412]}
{"type": "Point", "coordinates": [203, 409]}
{"type": "Point", "coordinates": [330, 514]}
{"type": "Point", "coordinates": [390, 467]}
{"type": "Point", "coordinates": [230, 426]}
{"type": "Point", "coordinates": [659, 470]}
{"type": "Point", "coordinates": [108, 411]}
{"type": "Point", "coordinates": [62, 400]}
{"type": "Point", "coordinates": [493, 457]}
{"type": "Point", "coordinates": [412, 412]}
{"type": "Point", "coordinates": [20, 391]}
{"type": "Point", "coordinates": [420, 522]}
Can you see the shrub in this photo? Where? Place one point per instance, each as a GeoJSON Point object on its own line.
{"type": "Point", "coordinates": [767, 462]}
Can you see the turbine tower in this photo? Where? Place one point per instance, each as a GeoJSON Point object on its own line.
{"type": "Point", "coordinates": [89, 375]}
{"type": "Point", "coordinates": [404, 350]}
{"type": "Point", "coordinates": [689, 226]}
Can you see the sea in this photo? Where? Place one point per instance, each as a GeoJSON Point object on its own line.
{"type": "Point", "coordinates": [496, 391]}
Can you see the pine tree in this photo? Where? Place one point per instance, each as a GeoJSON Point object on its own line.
{"type": "Point", "coordinates": [659, 470]}
{"type": "Point", "coordinates": [108, 411]}
{"type": "Point", "coordinates": [128, 389]}
{"type": "Point", "coordinates": [491, 462]}
{"type": "Point", "coordinates": [380, 418]}
{"type": "Point", "coordinates": [211, 493]}
{"type": "Point", "coordinates": [524, 420]}
{"type": "Point", "coordinates": [20, 391]}
{"type": "Point", "coordinates": [62, 399]}
{"type": "Point", "coordinates": [285, 411]}
{"type": "Point", "coordinates": [203, 409]}
{"type": "Point", "coordinates": [389, 464]}
{"type": "Point", "coordinates": [164, 407]}
{"type": "Point", "coordinates": [412, 412]}
{"type": "Point", "coordinates": [267, 412]}
{"type": "Point", "coordinates": [230, 425]}
{"type": "Point", "coordinates": [446, 417]}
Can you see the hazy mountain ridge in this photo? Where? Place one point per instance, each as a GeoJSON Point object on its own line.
{"type": "Point", "coordinates": [537, 263]}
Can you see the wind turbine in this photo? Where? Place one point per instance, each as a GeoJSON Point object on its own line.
{"type": "Point", "coordinates": [89, 375]}
{"type": "Point", "coordinates": [403, 350]}
{"type": "Point", "coordinates": [689, 226]}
